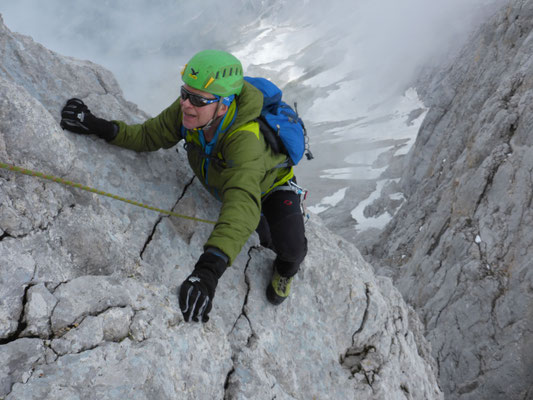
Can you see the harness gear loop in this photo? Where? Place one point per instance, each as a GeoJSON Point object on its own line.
{"type": "Point", "coordinates": [30, 172]}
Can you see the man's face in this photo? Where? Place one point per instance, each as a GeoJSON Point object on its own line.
{"type": "Point", "coordinates": [196, 117]}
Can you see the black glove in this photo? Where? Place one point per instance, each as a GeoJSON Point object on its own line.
{"type": "Point", "coordinates": [76, 117]}
{"type": "Point", "coordinates": [198, 290]}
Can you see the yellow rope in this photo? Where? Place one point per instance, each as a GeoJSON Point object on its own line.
{"type": "Point", "coordinates": [29, 172]}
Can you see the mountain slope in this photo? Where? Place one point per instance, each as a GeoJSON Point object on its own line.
{"type": "Point", "coordinates": [89, 307]}
{"type": "Point", "coordinates": [460, 247]}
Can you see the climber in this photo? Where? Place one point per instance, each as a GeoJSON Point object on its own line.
{"type": "Point", "coordinates": [215, 116]}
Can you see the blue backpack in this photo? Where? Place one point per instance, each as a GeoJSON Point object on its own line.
{"type": "Point", "coordinates": [280, 124]}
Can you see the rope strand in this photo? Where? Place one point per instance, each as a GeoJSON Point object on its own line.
{"type": "Point", "coordinates": [38, 174]}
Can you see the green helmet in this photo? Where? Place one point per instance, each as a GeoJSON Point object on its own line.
{"type": "Point", "coordinates": [214, 71]}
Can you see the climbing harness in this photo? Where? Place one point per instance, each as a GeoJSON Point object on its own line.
{"type": "Point", "coordinates": [30, 172]}
{"type": "Point", "coordinates": [303, 196]}
{"type": "Point", "coordinates": [291, 186]}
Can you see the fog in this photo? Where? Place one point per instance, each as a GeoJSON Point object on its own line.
{"type": "Point", "coordinates": [145, 43]}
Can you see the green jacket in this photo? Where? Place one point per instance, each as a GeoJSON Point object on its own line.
{"type": "Point", "coordinates": [239, 170]}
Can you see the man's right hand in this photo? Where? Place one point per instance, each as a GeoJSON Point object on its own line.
{"type": "Point", "coordinates": [76, 117]}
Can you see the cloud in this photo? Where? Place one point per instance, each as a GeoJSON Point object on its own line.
{"type": "Point", "coordinates": [145, 43]}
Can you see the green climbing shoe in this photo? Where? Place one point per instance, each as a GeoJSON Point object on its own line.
{"type": "Point", "coordinates": [278, 289]}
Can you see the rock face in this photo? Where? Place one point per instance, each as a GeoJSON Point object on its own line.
{"type": "Point", "coordinates": [460, 248]}
{"type": "Point", "coordinates": [88, 306]}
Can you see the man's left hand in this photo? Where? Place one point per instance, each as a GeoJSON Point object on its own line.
{"type": "Point", "coordinates": [198, 290]}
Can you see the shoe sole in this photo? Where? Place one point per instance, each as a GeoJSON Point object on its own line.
{"type": "Point", "coordinates": [273, 297]}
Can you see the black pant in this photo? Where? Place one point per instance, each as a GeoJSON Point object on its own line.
{"type": "Point", "coordinates": [282, 229]}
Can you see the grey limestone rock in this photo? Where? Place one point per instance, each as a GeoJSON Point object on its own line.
{"type": "Point", "coordinates": [17, 359]}
{"type": "Point", "coordinates": [39, 306]}
{"type": "Point", "coordinates": [89, 284]}
{"type": "Point", "coordinates": [460, 247]}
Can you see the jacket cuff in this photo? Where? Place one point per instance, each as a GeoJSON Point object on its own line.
{"type": "Point", "coordinates": [217, 252]}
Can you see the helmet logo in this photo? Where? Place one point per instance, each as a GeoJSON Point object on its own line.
{"type": "Point", "coordinates": [193, 74]}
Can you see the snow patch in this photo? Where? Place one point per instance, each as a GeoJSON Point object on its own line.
{"type": "Point", "coordinates": [328, 201]}
{"type": "Point", "coordinates": [348, 173]}
{"type": "Point", "coordinates": [363, 223]}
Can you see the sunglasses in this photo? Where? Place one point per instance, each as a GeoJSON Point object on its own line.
{"type": "Point", "coordinates": [195, 99]}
